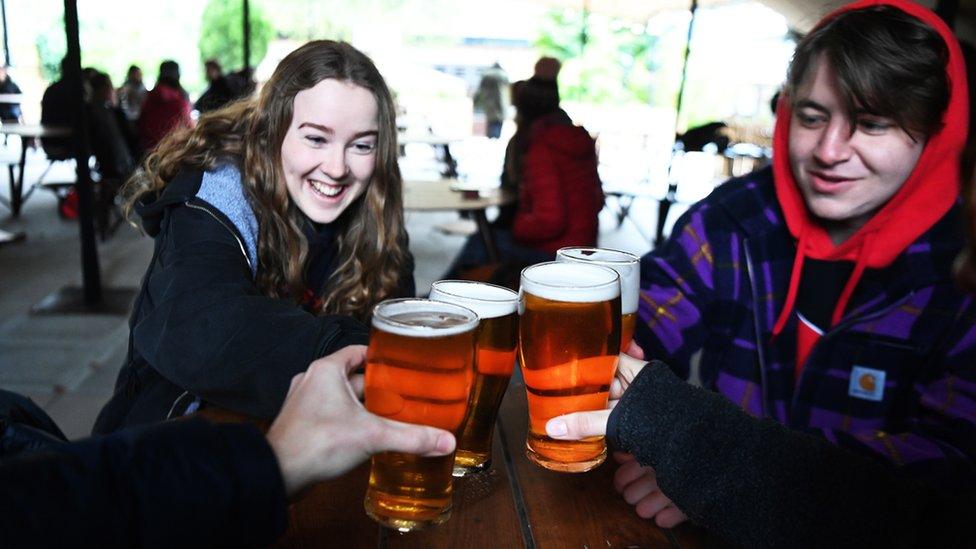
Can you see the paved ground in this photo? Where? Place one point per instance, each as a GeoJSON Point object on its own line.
{"type": "Point", "coordinates": [68, 363]}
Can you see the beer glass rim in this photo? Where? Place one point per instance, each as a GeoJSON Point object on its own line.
{"type": "Point", "coordinates": [513, 293]}
{"type": "Point", "coordinates": [612, 284]}
{"type": "Point", "coordinates": [384, 322]}
{"type": "Point", "coordinates": [471, 294]}
{"type": "Point", "coordinates": [630, 258]}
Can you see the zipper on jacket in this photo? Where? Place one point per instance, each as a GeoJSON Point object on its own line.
{"type": "Point", "coordinates": [232, 231]}
{"type": "Point", "coordinates": [755, 326]}
{"type": "Point", "coordinates": [172, 408]}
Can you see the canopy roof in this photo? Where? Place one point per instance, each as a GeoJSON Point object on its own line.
{"type": "Point", "coordinates": [800, 15]}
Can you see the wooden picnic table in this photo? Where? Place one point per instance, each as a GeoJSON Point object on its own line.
{"type": "Point", "coordinates": [438, 142]}
{"type": "Point", "coordinates": [515, 503]}
{"type": "Point", "coordinates": [26, 132]}
{"type": "Point", "coordinates": [444, 195]}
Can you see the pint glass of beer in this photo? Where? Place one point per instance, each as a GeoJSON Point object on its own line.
{"type": "Point", "coordinates": [628, 267]}
{"type": "Point", "coordinates": [569, 341]}
{"type": "Point", "coordinates": [497, 308]}
{"type": "Point", "coordinates": [419, 369]}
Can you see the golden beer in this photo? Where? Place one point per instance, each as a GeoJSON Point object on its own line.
{"type": "Point", "coordinates": [419, 369]}
{"type": "Point", "coordinates": [628, 323]}
{"type": "Point", "coordinates": [497, 309]}
{"type": "Point", "coordinates": [627, 266]}
{"type": "Point", "coordinates": [569, 342]}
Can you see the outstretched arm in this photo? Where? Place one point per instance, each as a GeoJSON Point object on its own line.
{"type": "Point", "coordinates": [754, 481]}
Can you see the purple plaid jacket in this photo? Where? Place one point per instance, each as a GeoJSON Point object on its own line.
{"type": "Point", "coordinates": [710, 297]}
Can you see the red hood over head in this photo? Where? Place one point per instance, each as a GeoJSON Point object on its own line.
{"type": "Point", "coordinates": [927, 194]}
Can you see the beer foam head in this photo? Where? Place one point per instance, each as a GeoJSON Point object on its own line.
{"type": "Point", "coordinates": [574, 282]}
{"type": "Point", "coordinates": [626, 264]}
{"type": "Point", "coordinates": [488, 300]}
{"type": "Point", "coordinates": [412, 317]}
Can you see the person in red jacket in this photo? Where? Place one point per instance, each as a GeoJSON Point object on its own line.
{"type": "Point", "coordinates": [553, 166]}
{"type": "Point", "coordinates": [166, 107]}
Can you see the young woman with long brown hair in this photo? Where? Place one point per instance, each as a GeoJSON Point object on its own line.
{"type": "Point", "coordinates": [278, 224]}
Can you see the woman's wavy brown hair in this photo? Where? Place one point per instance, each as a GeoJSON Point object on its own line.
{"type": "Point", "coordinates": [371, 254]}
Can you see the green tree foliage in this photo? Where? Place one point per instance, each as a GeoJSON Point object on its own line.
{"type": "Point", "coordinates": [604, 59]}
{"type": "Point", "coordinates": [111, 43]}
{"type": "Point", "coordinates": [222, 33]}
{"type": "Point", "coordinates": [50, 51]}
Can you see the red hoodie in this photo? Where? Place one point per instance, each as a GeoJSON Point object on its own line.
{"type": "Point", "coordinates": [561, 194]}
{"type": "Point", "coordinates": [927, 194]}
{"type": "Point", "coordinates": [163, 109]}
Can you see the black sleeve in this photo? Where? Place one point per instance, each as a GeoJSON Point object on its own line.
{"type": "Point", "coordinates": [180, 483]}
{"type": "Point", "coordinates": [210, 330]}
{"type": "Point", "coordinates": [759, 484]}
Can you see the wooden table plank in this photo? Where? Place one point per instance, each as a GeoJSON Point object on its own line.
{"type": "Point", "coordinates": [571, 510]}
{"type": "Point", "coordinates": [515, 504]}
{"type": "Point", "coordinates": [329, 511]}
{"type": "Point", "coordinates": [437, 195]}
{"type": "Point", "coordinates": [331, 514]}
{"type": "Point", "coordinates": [484, 514]}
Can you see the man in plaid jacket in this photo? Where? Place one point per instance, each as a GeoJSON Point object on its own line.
{"type": "Point", "coordinates": [818, 292]}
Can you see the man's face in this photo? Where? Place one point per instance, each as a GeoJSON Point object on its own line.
{"type": "Point", "coordinates": [845, 176]}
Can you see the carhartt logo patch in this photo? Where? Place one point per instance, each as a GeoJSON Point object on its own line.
{"type": "Point", "coordinates": [866, 383]}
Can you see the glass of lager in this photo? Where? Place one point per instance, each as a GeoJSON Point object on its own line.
{"type": "Point", "coordinates": [419, 369]}
{"type": "Point", "coordinates": [569, 341]}
{"type": "Point", "coordinates": [497, 308]}
{"type": "Point", "coordinates": [628, 267]}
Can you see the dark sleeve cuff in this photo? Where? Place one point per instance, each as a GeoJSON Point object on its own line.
{"type": "Point", "coordinates": [261, 493]}
{"type": "Point", "coordinates": [641, 406]}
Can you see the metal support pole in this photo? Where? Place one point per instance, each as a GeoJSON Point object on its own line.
{"type": "Point", "coordinates": [684, 65]}
{"type": "Point", "coordinates": [247, 39]}
{"type": "Point", "coordinates": [671, 197]}
{"type": "Point", "coordinates": [6, 43]}
{"type": "Point", "coordinates": [79, 132]}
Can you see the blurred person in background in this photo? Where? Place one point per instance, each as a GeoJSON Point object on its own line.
{"type": "Point", "coordinates": [112, 142]}
{"type": "Point", "coordinates": [57, 110]}
{"type": "Point", "coordinates": [489, 99]}
{"type": "Point", "coordinates": [220, 90]}
{"type": "Point", "coordinates": [9, 111]}
{"type": "Point", "coordinates": [552, 166]}
{"type": "Point", "coordinates": [165, 108]}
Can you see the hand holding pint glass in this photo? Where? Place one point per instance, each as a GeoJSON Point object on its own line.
{"type": "Point", "coordinates": [497, 309]}
{"type": "Point", "coordinates": [419, 369]}
{"type": "Point", "coordinates": [628, 267]}
{"type": "Point", "coordinates": [569, 342]}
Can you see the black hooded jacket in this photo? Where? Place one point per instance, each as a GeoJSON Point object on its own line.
{"type": "Point", "coordinates": [201, 332]}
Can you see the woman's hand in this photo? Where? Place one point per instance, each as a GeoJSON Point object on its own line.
{"type": "Point", "coordinates": [324, 431]}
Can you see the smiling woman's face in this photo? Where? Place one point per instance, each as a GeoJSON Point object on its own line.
{"type": "Point", "coordinates": [845, 177]}
{"type": "Point", "coordinates": [329, 151]}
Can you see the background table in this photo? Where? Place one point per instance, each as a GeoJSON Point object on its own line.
{"type": "Point", "coordinates": [436, 195]}
{"type": "Point", "coordinates": [513, 504]}
{"type": "Point", "coordinates": [26, 132]}
{"type": "Point", "coordinates": [439, 143]}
